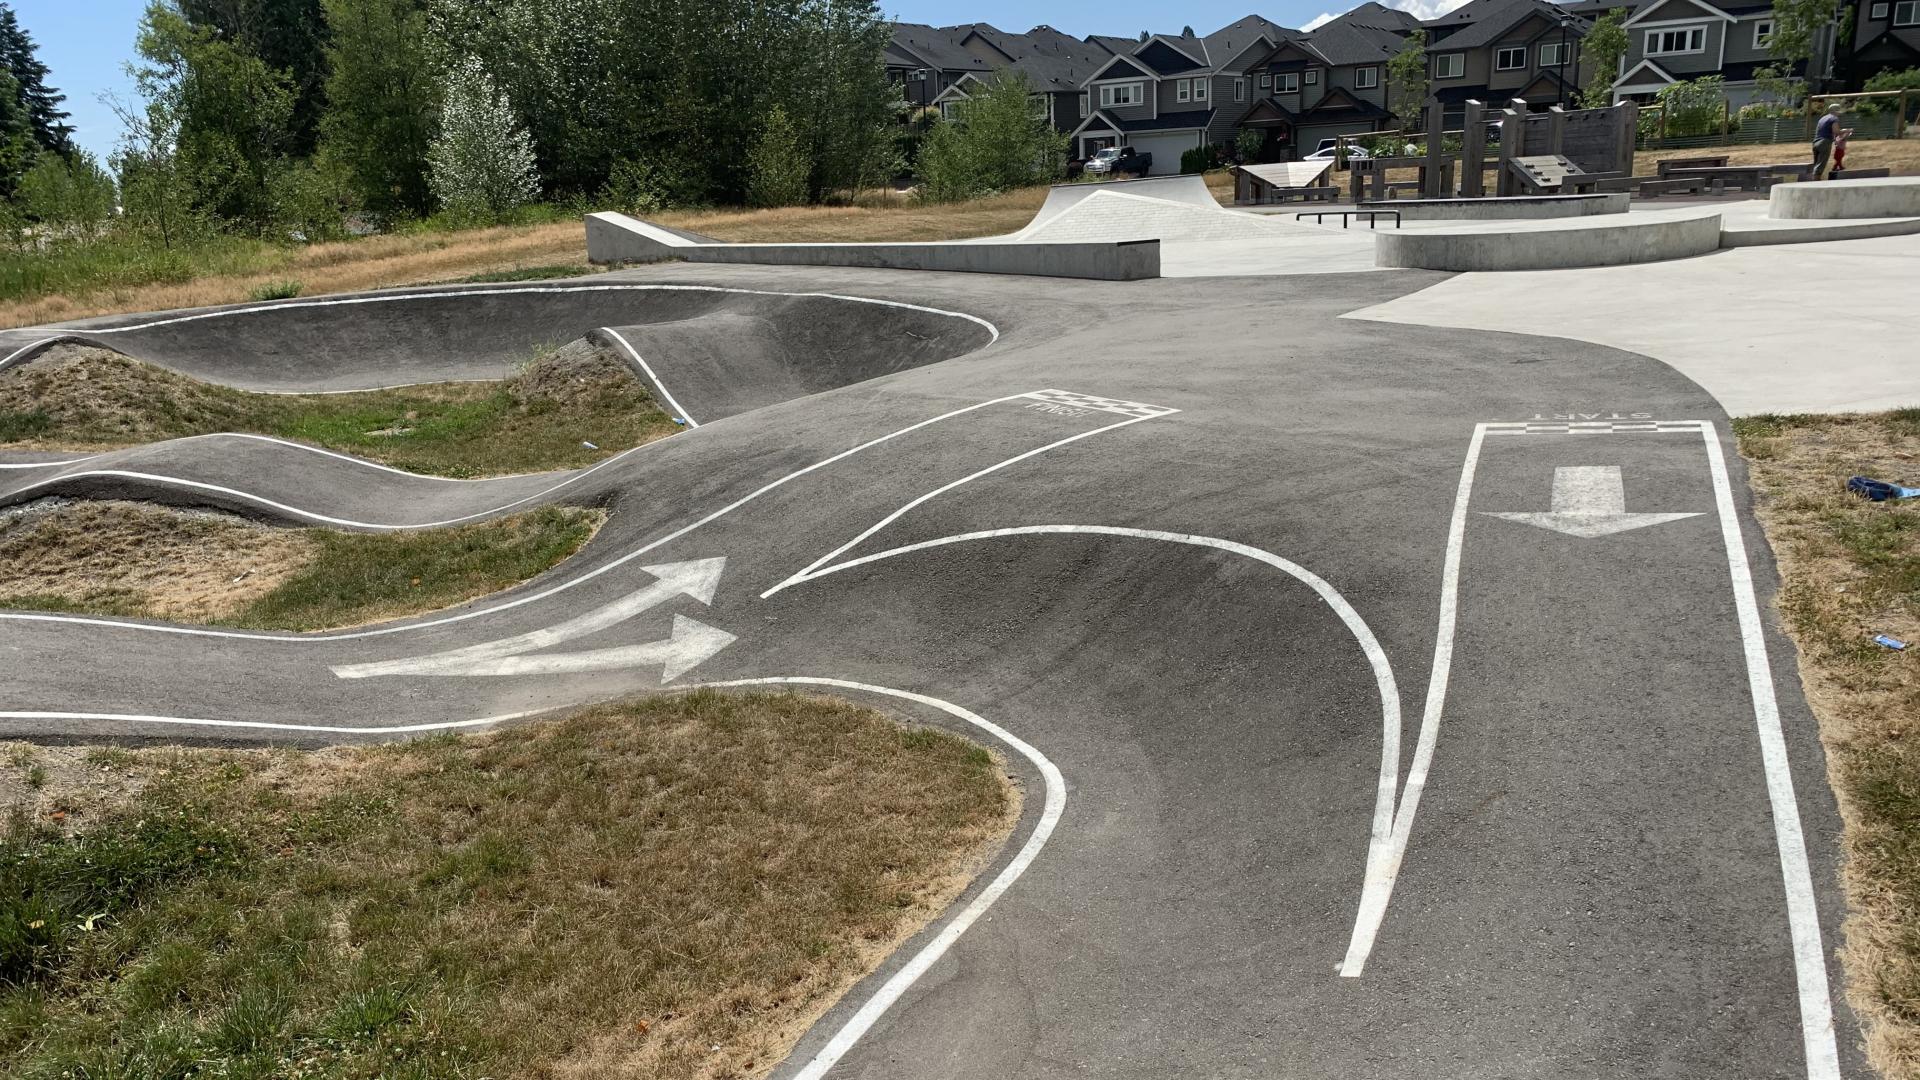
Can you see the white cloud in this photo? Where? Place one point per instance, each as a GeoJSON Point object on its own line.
{"type": "Point", "coordinates": [1419, 9]}
{"type": "Point", "coordinates": [1320, 20]}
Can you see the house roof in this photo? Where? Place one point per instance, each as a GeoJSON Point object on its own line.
{"type": "Point", "coordinates": [1632, 76]}
{"type": "Point", "coordinates": [1173, 56]}
{"type": "Point", "coordinates": [1349, 43]}
{"type": "Point", "coordinates": [937, 46]}
{"type": "Point", "coordinates": [1053, 61]}
{"type": "Point", "coordinates": [1227, 43]}
{"type": "Point", "coordinates": [1340, 104]}
{"type": "Point", "coordinates": [1119, 46]}
{"type": "Point", "coordinates": [1102, 120]}
{"type": "Point", "coordinates": [1375, 16]}
{"type": "Point", "coordinates": [1500, 17]}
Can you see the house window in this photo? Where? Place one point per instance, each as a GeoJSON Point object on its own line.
{"type": "Point", "coordinates": [1313, 76]}
{"type": "Point", "coordinates": [1086, 101]}
{"type": "Point", "coordinates": [1449, 65]}
{"type": "Point", "coordinates": [1266, 81]}
{"type": "Point", "coordinates": [1183, 89]}
{"type": "Point", "coordinates": [918, 75]}
{"type": "Point", "coordinates": [1286, 83]}
{"type": "Point", "coordinates": [1510, 59]}
{"type": "Point", "coordinates": [1554, 54]}
{"type": "Point", "coordinates": [1879, 12]}
{"type": "Point", "coordinates": [1906, 13]}
{"type": "Point", "coordinates": [1366, 78]}
{"type": "Point", "coordinates": [1240, 89]}
{"type": "Point", "coordinates": [1671, 42]}
{"type": "Point", "coordinates": [1199, 89]}
{"type": "Point", "coordinates": [1120, 94]}
{"type": "Point", "coordinates": [1762, 30]}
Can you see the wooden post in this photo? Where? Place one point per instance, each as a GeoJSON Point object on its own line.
{"type": "Point", "coordinates": [1556, 129]}
{"type": "Point", "coordinates": [1726, 119]}
{"type": "Point", "coordinates": [1433, 178]}
{"type": "Point", "coordinates": [1357, 178]}
{"type": "Point", "coordinates": [1900, 118]}
{"type": "Point", "coordinates": [1660, 135]}
{"type": "Point", "coordinates": [1626, 134]}
{"type": "Point", "coordinates": [1473, 150]}
{"type": "Point", "coordinates": [1512, 132]}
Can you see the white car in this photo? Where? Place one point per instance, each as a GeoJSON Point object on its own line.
{"type": "Point", "coordinates": [1326, 152]}
{"type": "Point", "coordinates": [1102, 160]}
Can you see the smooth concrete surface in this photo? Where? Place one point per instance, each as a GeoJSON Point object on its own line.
{"type": "Point", "coordinates": [1190, 190]}
{"type": "Point", "coordinates": [1553, 244]}
{"type": "Point", "coordinates": [1867, 197]}
{"type": "Point", "coordinates": [1505, 208]}
{"type": "Point", "coordinates": [617, 238]}
{"type": "Point", "coordinates": [1113, 215]}
{"type": "Point", "coordinates": [1824, 327]}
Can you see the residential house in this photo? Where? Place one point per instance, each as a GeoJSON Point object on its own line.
{"type": "Point", "coordinates": [1331, 82]}
{"type": "Point", "coordinates": [1671, 41]}
{"type": "Point", "coordinates": [1156, 98]}
{"type": "Point", "coordinates": [1497, 50]}
{"type": "Point", "coordinates": [1886, 37]}
{"type": "Point", "coordinates": [1053, 64]}
{"type": "Point", "coordinates": [925, 60]}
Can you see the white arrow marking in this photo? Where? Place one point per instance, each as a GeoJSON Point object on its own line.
{"type": "Point", "coordinates": [696, 578]}
{"type": "Point", "coordinates": [690, 644]}
{"type": "Point", "coordinates": [1589, 501]}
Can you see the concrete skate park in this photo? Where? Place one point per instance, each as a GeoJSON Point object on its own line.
{"type": "Point", "coordinates": [1386, 653]}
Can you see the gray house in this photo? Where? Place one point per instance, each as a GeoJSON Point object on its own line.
{"type": "Point", "coordinates": [1670, 41]}
{"type": "Point", "coordinates": [1157, 98]}
{"type": "Point", "coordinates": [1498, 50]}
{"type": "Point", "coordinates": [1886, 37]}
{"type": "Point", "coordinates": [1324, 84]}
{"type": "Point", "coordinates": [1053, 64]}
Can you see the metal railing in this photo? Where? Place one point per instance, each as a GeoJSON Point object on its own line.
{"type": "Point", "coordinates": [1372, 216]}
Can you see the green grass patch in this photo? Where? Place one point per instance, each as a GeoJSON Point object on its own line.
{"type": "Point", "coordinates": [658, 888]}
{"type": "Point", "coordinates": [535, 273]}
{"type": "Point", "coordinates": [542, 419]}
{"type": "Point", "coordinates": [275, 290]}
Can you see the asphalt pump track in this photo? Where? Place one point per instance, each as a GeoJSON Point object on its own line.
{"type": "Point", "coordinates": [1391, 701]}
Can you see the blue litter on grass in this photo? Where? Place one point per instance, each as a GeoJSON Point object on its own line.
{"type": "Point", "coordinates": [679, 421]}
{"type": "Point", "coordinates": [1879, 490]}
{"type": "Point", "coordinates": [1891, 643]}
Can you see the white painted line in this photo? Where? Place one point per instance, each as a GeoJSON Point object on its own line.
{"type": "Point", "coordinates": [194, 631]}
{"type": "Point", "coordinates": [901, 980]}
{"type": "Point", "coordinates": [431, 294]}
{"type": "Point", "coordinates": [1803, 917]}
{"type": "Point", "coordinates": [1382, 872]}
{"type": "Point", "coordinates": [665, 394]}
{"type": "Point", "coordinates": [1380, 865]}
{"type": "Point", "coordinates": [7, 360]}
{"type": "Point", "coordinates": [43, 464]}
{"type": "Point", "coordinates": [808, 570]}
{"type": "Point", "coordinates": [690, 644]}
{"type": "Point", "coordinates": [262, 725]}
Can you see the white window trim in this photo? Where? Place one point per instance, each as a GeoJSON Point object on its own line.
{"type": "Point", "coordinates": [1200, 90]}
{"type": "Point", "coordinates": [1366, 78]}
{"type": "Point", "coordinates": [1650, 42]}
{"type": "Point", "coordinates": [1240, 88]}
{"type": "Point", "coordinates": [1312, 77]}
{"type": "Point", "coordinates": [1292, 86]}
{"type": "Point", "coordinates": [1880, 11]}
{"type": "Point", "coordinates": [1136, 95]}
{"type": "Point", "coordinates": [1557, 47]}
{"type": "Point", "coordinates": [1913, 16]}
{"type": "Point", "coordinates": [1182, 89]}
{"type": "Point", "coordinates": [1266, 81]}
{"type": "Point", "coordinates": [1762, 30]}
{"type": "Point", "coordinates": [1457, 61]}
{"type": "Point", "coordinates": [1503, 50]}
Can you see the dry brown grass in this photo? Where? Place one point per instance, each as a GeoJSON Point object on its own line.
{"type": "Point", "coordinates": [899, 219]}
{"type": "Point", "coordinates": [1902, 156]}
{"type": "Point", "coordinates": [672, 887]}
{"type": "Point", "coordinates": [1851, 569]}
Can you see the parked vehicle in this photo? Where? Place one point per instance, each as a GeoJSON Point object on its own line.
{"type": "Point", "coordinates": [1114, 160]}
{"type": "Point", "coordinates": [1328, 146]}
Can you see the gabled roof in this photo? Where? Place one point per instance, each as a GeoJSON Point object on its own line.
{"type": "Point", "coordinates": [1172, 56]}
{"type": "Point", "coordinates": [1548, 83]}
{"type": "Point", "coordinates": [1267, 113]}
{"type": "Point", "coordinates": [1226, 44]}
{"type": "Point", "coordinates": [1707, 10]}
{"type": "Point", "coordinates": [1119, 46]}
{"type": "Point", "coordinates": [1501, 17]}
{"type": "Point", "coordinates": [1341, 104]}
{"type": "Point", "coordinates": [1101, 120]}
{"type": "Point", "coordinates": [1886, 37]}
{"type": "Point", "coordinates": [1375, 16]}
{"type": "Point", "coordinates": [1120, 67]}
{"type": "Point", "coordinates": [1347, 43]}
{"type": "Point", "coordinates": [1631, 78]}
{"type": "Point", "coordinates": [936, 46]}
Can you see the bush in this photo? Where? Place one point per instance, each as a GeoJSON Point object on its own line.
{"type": "Point", "coordinates": [1200, 159]}
{"type": "Point", "coordinates": [311, 200]}
{"type": "Point", "coordinates": [777, 167]}
{"type": "Point", "coordinates": [1887, 80]}
{"type": "Point", "coordinates": [73, 198]}
{"type": "Point", "coordinates": [1694, 107]}
{"type": "Point", "coordinates": [482, 163]}
{"type": "Point", "coordinates": [994, 142]}
{"type": "Point", "coordinates": [275, 290]}
{"type": "Point", "coordinates": [1248, 144]}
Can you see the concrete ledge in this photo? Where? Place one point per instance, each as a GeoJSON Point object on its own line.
{"type": "Point", "coordinates": [1870, 197]}
{"type": "Point", "coordinates": [1506, 208]}
{"type": "Point", "coordinates": [1553, 246]}
{"type": "Point", "coordinates": [614, 238]}
{"type": "Point", "coordinates": [1815, 232]}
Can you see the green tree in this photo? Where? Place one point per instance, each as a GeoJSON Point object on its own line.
{"type": "Point", "coordinates": [72, 196]}
{"type": "Point", "coordinates": [289, 36]}
{"type": "Point", "coordinates": [1601, 51]}
{"type": "Point", "coordinates": [156, 193]}
{"type": "Point", "coordinates": [1798, 29]}
{"type": "Point", "coordinates": [1696, 106]}
{"type": "Point", "coordinates": [229, 109]}
{"type": "Point", "coordinates": [42, 103]}
{"type": "Point", "coordinates": [382, 101]}
{"type": "Point", "coordinates": [1248, 143]}
{"type": "Point", "coordinates": [777, 169]}
{"type": "Point", "coordinates": [855, 110]}
{"type": "Point", "coordinates": [1407, 81]}
{"type": "Point", "coordinates": [18, 150]}
{"type": "Point", "coordinates": [995, 142]}
{"type": "Point", "coordinates": [481, 162]}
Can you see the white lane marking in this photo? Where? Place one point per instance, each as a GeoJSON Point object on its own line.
{"type": "Point", "coordinates": [897, 985]}
{"type": "Point", "coordinates": [1379, 865]}
{"type": "Point", "coordinates": [696, 578]}
{"type": "Point", "coordinates": [1588, 501]}
{"type": "Point", "coordinates": [690, 644]}
{"type": "Point", "coordinates": [805, 572]}
{"type": "Point", "coordinates": [16, 354]}
{"type": "Point", "coordinates": [43, 464]}
{"type": "Point", "coordinates": [194, 631]}
{"type": "Point", "coordinates": [387, 298]}
{"type": "Point", "coordinates": [678, 409]}
{"type": "Point", "coordinates": [1803, 917]}
{"type": "Point", "coordinates": [263, 725]}
{"type": "Point", "coordinates": [1377, 889]}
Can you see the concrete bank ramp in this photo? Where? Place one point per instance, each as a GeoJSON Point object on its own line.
{"type": "Point", "coordinates": [1112, 215]}
{"type": "Point", "coordinates": [788, 343]}
{"type": "Point", "coordinates": [1188, 189]}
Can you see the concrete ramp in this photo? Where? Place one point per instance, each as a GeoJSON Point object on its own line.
{"type": "Point", "coordinates": [1114, 216]}
{"type": "Point", "coordinates": [1290, 174]}
{"type": "Point", "coordinates": [1189, 189]}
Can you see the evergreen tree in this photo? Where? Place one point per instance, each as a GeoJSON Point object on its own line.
{"type": "Point", "coordinates": [381, 97]}
{"type": "Point", "coordinates": [18, 150]}
{"type": "Point", "coordinates": [41, 102]}
{"type": "Point", "coordinates": [482, 161]}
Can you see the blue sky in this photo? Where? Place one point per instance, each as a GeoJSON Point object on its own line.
{"type": "Point", "coordinates": [87, 42]}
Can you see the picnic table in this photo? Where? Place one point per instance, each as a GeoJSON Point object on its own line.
{"type": "Point", "coordinates": [1704, 161]}
{"type": "Point", "coordinates": [1745, 177]}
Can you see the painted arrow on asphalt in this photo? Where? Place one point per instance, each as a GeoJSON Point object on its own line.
{"type": "Point", "coordinates": [1589, 501]}
{"type": "Point", "coordinates": [690, 643]}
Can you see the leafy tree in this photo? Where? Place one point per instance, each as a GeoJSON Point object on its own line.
{"type": "Point", "coordinates": [482, 160]}
{"type": "Point", "coordinates": [311, 199]}
{"type": "Point", "coordinates": [72, 196]}
{"type": "Point", "coordinates": [1407, 81]}
{"type": "Point", "coordinates": [382, 100]}
{"type": "Point", "coordinates": [230, 112]}
{"type": "Point", "coordinates": [995, 142]}
{"type": "Point", "coordinates": [42, 103]}
{"type": "Point", "coordinates": [156, 192]}
{"type": "Point", "coordinates": [1696, 106]}
{"type": "Point", "coordinates": [1798, 28]}
{"type": "Point", "coordinates": [1602, 49]}
{"type": "Point", "coordinates": [855, 110]}
{"type": "Point", "coordinates": [289, 36]}
{"type": "Point", "coordinates": [1248, 143]}
{"type": "Point", "coordinates": [777, 168]}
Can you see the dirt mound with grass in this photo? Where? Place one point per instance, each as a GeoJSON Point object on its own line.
{"type": "Point", "coordinates": [566, 408]}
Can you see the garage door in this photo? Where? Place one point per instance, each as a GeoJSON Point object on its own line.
{"type": "Point", "coordinates": [1166, 150]}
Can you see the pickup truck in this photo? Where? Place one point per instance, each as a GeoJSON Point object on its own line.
{"type": "Point", "coordinates": [1116, 160]}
